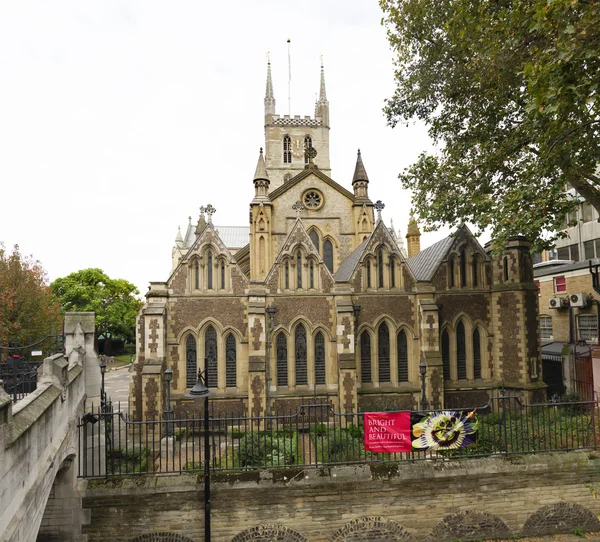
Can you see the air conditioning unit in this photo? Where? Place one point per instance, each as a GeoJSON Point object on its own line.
{"type": "Point", "coordinates": [578, 300]}
{"type": "Point", "coordinates": [555, 303]}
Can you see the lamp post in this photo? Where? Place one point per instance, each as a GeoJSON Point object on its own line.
{"type": "Point", "coordinates": [423, 372]}
{"type": "Point", "coordinates": [200, 390]}
{"type": "Point", "coordinates": [168, 410]}
{"type": "Point", "coordinates": [271, 311]}
{"type": "Point", "coordinates": [102, 392]}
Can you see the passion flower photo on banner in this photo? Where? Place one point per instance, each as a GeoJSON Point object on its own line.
{"type": "Point", "coordinates": [392, 432]}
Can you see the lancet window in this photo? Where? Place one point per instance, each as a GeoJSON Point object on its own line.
{"type": "Point", "coordinates": [446, 354]}
{"type": "Point", "coordinates": [287, 150]}
{"type": "Point", "coordinates": [230, 361]}
{"type": "Point", "coordinates": [402, 357]}
{"type": "Point", "coordinates": [476, 354]}
{"type": "Point", "coordinates": [328, 254]}
{"type": "Point", "coordinates": [300, 355]}
{"type": "Point", "coordinates": [461, 352]}
{"type": "Point", "coordinates": [383, 353]}
{"type": "Point", "coordinates": [319, 358]}
{"type": "Point", "coordinates": [365, 357]}
{"type": "Point", "coordinates": [210, 355]}
{"type": "Point", "coordinates": [191, 368]}
{"type": "Point", "coordinates": [307, 145]}
{"type": "Point", "coordinates": [209, 266]}
{"type": "Point", "coordinates": [282, 361]}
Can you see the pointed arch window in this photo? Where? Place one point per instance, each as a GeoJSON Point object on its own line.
{"type": "Point", "coordinates": [452, 272]}
{"type": "Point", "coordinates": [209, 266]}
{"type": "Point", "coordinates": [287, 149]}
{"type": "Point", "coordinates": [475, 265]}
{"type": "Point", "coordinates": [230, 361]}
{"type": "Point", "coordinates": [505, 269]}
{"type": "Point", "coordinates": [328, 254]}
{"type": "Point", "coordinates": [282, 361]}
{"type": "Point", "coordinates": [191, 367]}
{"type": "Point", "coordinates": [314, 237]}
{"type": "Point", "coordinates": [402, 357]}
{"type": "Point", "coordinates": [307, 145]}
{"type": "Point", "coordinates": [287, 275]}
{"type": "Point", "coordinates": [300, 356]}
{"type": "Point", "coordinates": [463, 267]}
{"type": "Point", "coordinates": [446, 354]}
{"type": "Point", "coordinates": [383, 353]}
{"type": "Point", "coordinates": [476, 354]}
{"type": "Point", "coordinates": [392, 272]}
{"type": "Point", "coordinates": [368, 273]}
{"type": "Point", "coordinates": [380, 268]}
{"type": "Point", "coordinates": [319, 358]}
{"type": "Point", "coordinates": [210, 356]}
{"type": "Point", "coordinates": [222, 275]}
{"type": "Point", "coordinates": [461, 352]}
{"type": "Point", "coordinates": [196, 275]}
{"type": "Point", "coordinates": [312, 274]}
{"type": "Point", "coordinates": [365, 357]}
{"type": "Point", "coordinates": [299, 268]}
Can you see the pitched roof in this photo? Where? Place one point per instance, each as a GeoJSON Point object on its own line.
{"type": "Point", "coordinates": [305, 173]}
{"type": "Point", "coordinates": [424, 264]}
{"type": "Point", "coordinates": [344, 271]}
{"type": "Point", "coordinates": [360, 173]}
{"type": "Point", "coordinates": [234, 236]}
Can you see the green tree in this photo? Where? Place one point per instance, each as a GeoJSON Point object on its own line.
{"type": "Point", "coordinates": [28, 311]}
{"type": "Point", "coordinates": [509, 92]}
{"type": "Point", "coordinates": [113, 301]}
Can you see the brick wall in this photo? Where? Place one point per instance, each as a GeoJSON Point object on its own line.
{"type": "Point", "coordinates": [468, 499]}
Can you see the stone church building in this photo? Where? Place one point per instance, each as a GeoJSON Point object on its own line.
{"type": "Point", "coordinates": [317, 297]}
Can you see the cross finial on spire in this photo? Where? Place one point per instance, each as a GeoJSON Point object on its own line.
{"type": "Point", "coordinates": [210, 210]}
{"type": "Point", "coordinates": [298, 207]}
{"type": "Point", "coordinates": [379, 206]}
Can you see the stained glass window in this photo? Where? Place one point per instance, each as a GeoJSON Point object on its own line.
{"type": "Point", "coordinates": [314, 237]}
{"type": "Point", "coordinates": [393, 272]}
{"type": "Point", "coordinates": [319, 358]}
{"type": "Point", "coordinates": [476, 354]}
{"type": "Point", "coordinates": [446, 354]}
{"type": "Point", "coordinates": [365, 357]}
{"type": "Point", "coordinates": [328, 254]}
{"type": "Point", "coordinates": [461, 352]}
{"type": "Point", "coordinates": [210, 356]}
{"type": "Point", "coordinates": [301, 365]}
{"type": "Point", "coordinates": [475, 270]}
{"type": "Point", "coordinates": [210, 270]}
{"type": "Point", "coordinates": [191, 368]}
{"type": "Point", "coordinates": [196, 276]}
{"type": "Point", "coordinates": [299, 268]}
{"type": "Point", "coordinates": [222, 275]}
{"type": "Point", "coordinates": [282, 361]}
{"type": "Point", "coordinates": [383, 353]}
{"type": "Point", "coordinates": [287, 275]}
{"type": "Point", "coordinates": [312, 274]}
{"type": "Point", "coordinates": [402, 357]}
{"type": "Point", "coordinates": [230, 362]}
{"type": "Point", "coordinates": [380, 268]}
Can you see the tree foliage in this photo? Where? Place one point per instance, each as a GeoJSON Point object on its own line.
{"type": "Point", "coordinates": [113, 301]}
{"type": "Point", "coordinates": [28, 311]}
{"type": "Point", "coordinates": [509, 92]}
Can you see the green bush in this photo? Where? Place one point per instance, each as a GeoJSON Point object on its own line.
{"type": "Point", "coordinates": [267, 449]}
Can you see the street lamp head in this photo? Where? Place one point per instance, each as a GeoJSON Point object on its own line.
{"type": "Point", "coordinates": [356, 310]}
{"type": "Point", "coordinates": [422, 368]}
{"type": "Point", "coordinates": [102, 368]}
{"type": "Point", "coordinates": [271, 310]}
{"type": "Point", "coordinates": [199, 389]}
{"type": "Point", "coordinates": [169, 375]}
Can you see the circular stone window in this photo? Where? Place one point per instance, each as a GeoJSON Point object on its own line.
{"type": "Point", "coordinates": [313, 199]}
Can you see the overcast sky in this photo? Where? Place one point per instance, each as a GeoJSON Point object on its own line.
{"type": "Point", "coordinates": [118, 119]}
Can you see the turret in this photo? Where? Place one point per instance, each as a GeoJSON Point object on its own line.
{"type": "Point", "coordinates": [260, 223]}
{"type": "Point", "coordinates": [360, 181]}
{"type": "Point", "coordinates": [261, 181]}
{"type": "Point", "coordinates": [413, 236]}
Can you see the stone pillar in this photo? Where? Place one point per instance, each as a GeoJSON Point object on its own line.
{"type": "Point", "coordinates": [431, 353]}
{"type": "Point", "coordinates": [80, 331]}
{"type": "Point", "coordinates": [152, 391]}
{"type": "Point", "coordinates": [346, 353]}
{"type": "Point", "coordinates": [257, 361]}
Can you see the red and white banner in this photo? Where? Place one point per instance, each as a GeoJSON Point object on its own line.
{"type": "Point", "coordinates": [387, 432]}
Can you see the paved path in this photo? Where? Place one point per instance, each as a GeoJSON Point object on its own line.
{"type": "Point", "coordinates": [116, 384]}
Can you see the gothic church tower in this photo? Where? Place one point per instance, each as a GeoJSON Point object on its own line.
{"type": "Point", "coordinates": [286, 137]}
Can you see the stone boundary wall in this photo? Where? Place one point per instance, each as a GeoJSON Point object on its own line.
{"type": "Point", "coordinates": [438, 501]}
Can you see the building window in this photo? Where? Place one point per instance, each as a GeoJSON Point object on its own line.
{"type": "Point", "coordinates": [475, 266]}
{"type": "Point", "coordinates": [191, 368]}
{"type": "Point", "coordinates": [230, 362]}
{"type": "Point", "coordinates": [380, 268]}
{"type": "Point", "coordinates": [196, 275]}
{"type": "Point", "coordinates": [287, 150]}
{"type": "Point", "coordinates": [210, 270]}
{"type": "Point", "coordinates": [446, 354]}
{"type": "Point", "coordinates": [307, 145]}
{"type": "Point", "coordinates": [368, 273]}
{"type": "Point", "coordinates": [365, 357]}
{"type": "Point", "coordinates": [287, 275]}
{"type": "Point", "coordinates": [210, 355]}
{"type": "Point", "coordinates": [402, 357]}
{"type": "Point", "coordinates": [461, 352]}
{"type": "Point", "coordinates": [328, 254]}
{"type": "Point", "coordinates": [301, 365]}
{"type": "Point", "coordinates": [587, 327]}
{"type": "Point", "coordinates": [299, 268]}
{"type": "Point", "coordinates": [588, 250]}
{"type": "Point", "coordinates": [383, 353]}
{"type": "Point", "coordinates": [314, 237]}
{"type": "Point", "coordinates": [463, 267]}
{"type": "Point", "coordinates": [222, 275]}
{"type": "Point", "coordinates": [476, 354]}
{"type": "Point", "coordinates": [560, 285]}
{"type": "Point", "coordinates": [392, 272]}
{"type": "Point", "coordinates": [319, 358]}
{"type": "Point", "coordinates": [505, 265]}
{"type": "Point", "coordinates": [312, 274]}
{"type": "Point", "coordinates": [282, 362]}
{"type": "Point", "coordinates": [313, 199]}
{"type": "Point", "coordinates": [451, 270]}
{"type": "Point", "coordinates": [570, 252]}
{"type": "Point", "coordinates": [546, 327]}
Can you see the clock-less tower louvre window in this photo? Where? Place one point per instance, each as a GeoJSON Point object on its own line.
{"type": "Point", "coordinates": [287, 150]}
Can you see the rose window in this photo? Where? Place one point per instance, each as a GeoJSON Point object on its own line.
{"type": "Point", "coordinates": [313, 200]}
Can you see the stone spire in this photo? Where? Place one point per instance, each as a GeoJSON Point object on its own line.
{"type": "Point", "coordinates": [322, 105]}
{"type": "Point", "coordinates": [269, 95]}
{"type": "Point", "coordinates": [360, 181]}
{"type": "Point", "coordinates": [201, 222]}
{"type": "Point", "coordinates": [322, 91]}
{"type": "Point", "coordinates": [413, 236]}
{"type": "Point", "coordinates": [261, 180]}
{"type": "Point", "coordinates": [178, 238]}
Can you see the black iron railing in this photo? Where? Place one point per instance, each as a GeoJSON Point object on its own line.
{"type": "Point", "coordinates": [314, 435]}
{"type": "Point", "coordinates": [19, 377]}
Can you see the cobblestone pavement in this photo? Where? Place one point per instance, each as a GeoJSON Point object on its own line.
{"type": "Point", "coordinates": [116, 384]}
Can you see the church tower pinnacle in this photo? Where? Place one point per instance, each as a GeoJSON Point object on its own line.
{"type": "Point", "coordinates": [269, 95]}
{"type": "Point", "coordinates": [413, 236]}
{"type": "Point", "coordinates": [322, 106]}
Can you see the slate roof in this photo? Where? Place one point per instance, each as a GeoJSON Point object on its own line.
{"type": "Point", "coordinates": [424, 264]}
{"type": "Point", "coordinates": [344, 271]}
{"type": "Point", "coordinates": [232, 236]}
{"type": "Point", "coordinates": [565, 267]}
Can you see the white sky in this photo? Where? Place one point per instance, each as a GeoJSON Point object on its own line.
{"type": "Point", "coordinates": [119, 118]}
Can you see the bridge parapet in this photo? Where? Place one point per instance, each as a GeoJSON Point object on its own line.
{"type": "Point", "coordinates": [38, 441]}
